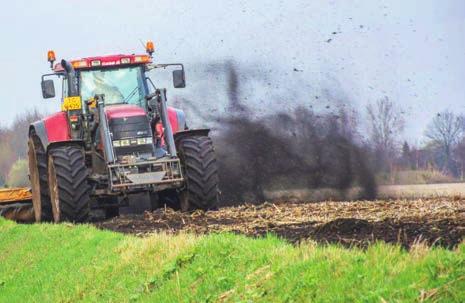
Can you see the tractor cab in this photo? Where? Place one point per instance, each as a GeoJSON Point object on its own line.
{"type": "Point", "coordinates": [121, 78]}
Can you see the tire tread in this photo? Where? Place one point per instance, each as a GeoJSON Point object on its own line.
{"type": "Point", "coordinates": [200, 171]}
{"type": "Point", "coordinates": [72, 181]}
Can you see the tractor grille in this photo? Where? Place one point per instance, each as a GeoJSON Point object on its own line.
{"type": "Point", "coordinates": [128, 129]}
{"type": "Point", "coordinates": [131, 127]}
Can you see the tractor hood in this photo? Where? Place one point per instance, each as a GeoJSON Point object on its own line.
{"type": "Point", "coordinates": [122, 111]}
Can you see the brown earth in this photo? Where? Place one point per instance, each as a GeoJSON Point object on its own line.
{"type": "Point", "coordinates": [432, 221]}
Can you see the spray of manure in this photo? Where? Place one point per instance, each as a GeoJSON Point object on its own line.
{"type": "Point", "coordinates": [284, 150]}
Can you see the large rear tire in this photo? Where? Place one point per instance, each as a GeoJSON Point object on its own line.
{"type": "Point", "coordinates": [68, 183]}
{"type": "Point", "coordinates": [39, 180]}
{"type": "Point", "coordinates": [200, 170]}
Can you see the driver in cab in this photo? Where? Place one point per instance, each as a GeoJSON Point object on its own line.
{"type": "Point", "coordinates": [99, 86]}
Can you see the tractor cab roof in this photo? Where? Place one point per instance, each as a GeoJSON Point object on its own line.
{"type": "Point", "coordinates": [106, 61]}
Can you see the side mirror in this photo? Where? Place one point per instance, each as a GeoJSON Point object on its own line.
{"type": "Point", "coordinates": [179, 78]}
{"type": "Point", "coordinates": [48, 89]}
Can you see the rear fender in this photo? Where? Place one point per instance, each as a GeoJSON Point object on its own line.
{"type": "Point", "coordinates": [51, 129]}
{"type": "Point", "coordinates": [177, 119]}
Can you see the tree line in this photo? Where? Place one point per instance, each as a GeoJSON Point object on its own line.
{"type": "Point", "coordinates": [13, 149]}
{"type": "Point", "coordinates": [442, 152]}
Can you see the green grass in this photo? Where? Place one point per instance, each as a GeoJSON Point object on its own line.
{"type": "Point", "coordinates": [66, 263]}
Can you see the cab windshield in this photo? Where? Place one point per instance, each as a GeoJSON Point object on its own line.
{"type": "Point", "coordinates": [120, 85]}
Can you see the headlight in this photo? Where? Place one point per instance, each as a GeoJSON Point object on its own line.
{"type": "Point", "coordinates": [128, 142]}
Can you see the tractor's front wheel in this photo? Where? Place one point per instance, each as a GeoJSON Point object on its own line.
{"type": "Point", "coordinates": [69, 188]}
{"type": "Point", "coordinates": [200, 170]}
{"type": "Point", "coordinates": [39, 180]}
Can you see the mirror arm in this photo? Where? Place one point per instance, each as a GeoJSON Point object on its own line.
{"type": "Point", "coordinates": [164, 65]}
{"type": "Point", "coordinates": [53, 74]}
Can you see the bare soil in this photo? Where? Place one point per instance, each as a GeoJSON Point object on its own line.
{"type": "Point", "coordinates": [431, 221]}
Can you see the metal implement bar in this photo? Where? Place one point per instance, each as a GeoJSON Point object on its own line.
{"type": "Point", "coordinates": [9, 195]}
{"type": "Point", "coordinates": [124, 181]}
{"type": "Point", "coordinates": [16, 204]}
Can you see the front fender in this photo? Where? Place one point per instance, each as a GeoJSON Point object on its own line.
{"type": "Point", "coordinates": [54, 128]}
{"type": "Point", "coordinates": [38, 129]}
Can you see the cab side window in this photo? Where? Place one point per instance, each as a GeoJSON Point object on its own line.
{"type": "Point", "coordinates": [65, 89]}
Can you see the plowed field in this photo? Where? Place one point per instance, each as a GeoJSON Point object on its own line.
{"type": "Point", "coordinates": [432, 221]}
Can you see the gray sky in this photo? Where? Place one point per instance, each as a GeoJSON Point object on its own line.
{"type": "Point", "coordinates": [411, 51]}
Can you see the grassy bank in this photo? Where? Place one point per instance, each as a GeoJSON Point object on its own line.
{"type": "Point", "coordinates": [65, 263]}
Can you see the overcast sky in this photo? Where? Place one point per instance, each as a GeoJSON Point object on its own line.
{"type": "Point", "coordinates": [411, 51]}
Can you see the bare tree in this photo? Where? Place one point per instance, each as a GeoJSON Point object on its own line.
{"type": "Point", "coordinates": [20, 129]}
{"type": "Point", "coordinates": [386, 123]}
{"type": "Point", "coordinates": [13, 141]}
{"type": "Point", "coordinates": [459, 156]}
{"type": "Point", "coordinates": [444, 131]}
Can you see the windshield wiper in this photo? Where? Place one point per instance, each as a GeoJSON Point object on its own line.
{"type": "Point", "coordinates": [132, 93]}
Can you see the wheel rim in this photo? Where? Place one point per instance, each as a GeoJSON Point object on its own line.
{"type": "Point", "coordinates": [54, 197]}
{"type": "Point", "coordinates": [35, 181]}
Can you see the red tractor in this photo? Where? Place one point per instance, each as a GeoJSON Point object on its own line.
{"type": "Point", "coordinates": [114, 137]}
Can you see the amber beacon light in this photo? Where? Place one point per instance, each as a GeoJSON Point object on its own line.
{"type": "Point", "coordinates": [149, 48]}
{"type": "Point", "coordinates": [51, 57]}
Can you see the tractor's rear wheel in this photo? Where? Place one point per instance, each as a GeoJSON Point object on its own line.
{"type": "Point", "coordinates": [69, 188]}
{"type": "Point", "coordinates": [200, 170]}
{"type": "Point", "coordinates": [39, 180]}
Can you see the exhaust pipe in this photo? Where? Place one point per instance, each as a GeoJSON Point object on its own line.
{"type": "Point", "coordinates": [72, 81]}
